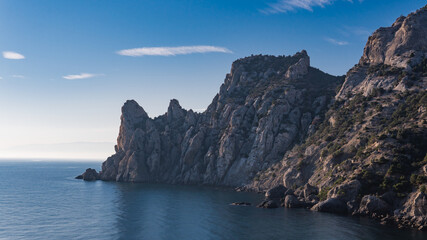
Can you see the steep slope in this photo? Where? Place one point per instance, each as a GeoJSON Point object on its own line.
{"type": "Point", "coordinates": [368, 156]}
{"type": "Point", "coordinates": [266, 105]}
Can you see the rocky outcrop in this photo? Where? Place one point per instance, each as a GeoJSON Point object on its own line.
{"type": "Point", "coordinates": [277, 124]}
{"type": "Point", "coordinates": [299, 69]}
{"type": "Point", "coordinates": [331, 205]}
{"type": "Point", "coordinates": [269, 204]}
{"type": "Point", "coordinates": [372, 205]}
{"type": "Point", "coordinates": [367, 155]}
{"type": "Point", "coordinates": [89, 175]}
{"type": "Point", "coordinates": [346, 192]}
{"type": "Point", "coordinates": [265, 106]}
{"type": "Point", "coordinates": [276, 192]}
{"type": "Point", "coordinates": [292, 202]}
{"type": "Point", "coordinates": [389, 52]}
{"type": "Point", "coordinates": [414, 211]}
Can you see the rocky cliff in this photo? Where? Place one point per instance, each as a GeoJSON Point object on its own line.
{"type": "Point", "coordinates": [266, 105]}
{"type": "Point", "coordinates": [368, 156]}
{"type": "Point", "coordinates": [277, 125]}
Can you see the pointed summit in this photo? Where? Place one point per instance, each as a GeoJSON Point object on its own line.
{"type": "Point", "coordinates": [175, 111]}
{"type": "Point", "coordinates": [132, 110]}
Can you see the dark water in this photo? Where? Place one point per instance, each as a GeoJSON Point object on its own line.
{"type": "Point", "coordinates": [41, 200]}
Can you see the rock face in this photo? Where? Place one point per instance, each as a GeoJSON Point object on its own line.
{"type": "Point", "coordinates": [276, 192]}
{"type": "Point", "coordinates": [292, 202]}
{"type": "Point", "coordinates": [265, 106]}
{"type": "Point", "coordinates": [332, 205]}
{"type": "Point", "coordinates": [373, 205]}
{"type": "Point", "coordinates": [391, 50]}
{"type": "Point", "coordinates": [278, 125]}
{"type": "Point", "coordinates": [367, 154]}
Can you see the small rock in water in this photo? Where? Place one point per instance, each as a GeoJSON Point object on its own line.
{"type": "Point", "coordinates": [268, 204]}
{"type": "Point", "coordinates": [241, 204]}
{"type": "Point", "coordinates": [89, 175]}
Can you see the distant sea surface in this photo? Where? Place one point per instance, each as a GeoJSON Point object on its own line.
{"type": "Point", "coordinates": [42, 200]}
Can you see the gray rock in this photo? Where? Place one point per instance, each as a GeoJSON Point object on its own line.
{"type": "Point", "coordinates": [310, 191]}
{"type": "Point", "coordinates": [241, 204]}
{"type": "Point", "coordinates": [292, 202]}
{"type": "Point", "coordinates": [276, 192]}
{"type": "Point", "coordinates": [89, 175]}
{"type": "Point", "coordinates": [415, 210]}
{"type": "Point", "coordinates": [346, 192]}
{"type": "Point", "coordinates": [268, 204]}
{"type": "Point", "coordinates": [373, 205]}
{"type": "Point", "coordinates": [331, 205]}
{"type": "Point", "coordinates": [300, 68]}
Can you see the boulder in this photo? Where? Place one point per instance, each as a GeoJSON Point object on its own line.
{"type": "Point", "coordinates": [276, 192]}
{"type": "Point", "coordinates": [292, 202]}
{"type": "Point", "coordinates": [89, 175]}
{"type": "Point", "coordinates": [268, 204]}
{"type": "Point", "coordinates": [309, 191]}
{"type": "Point", "coordinates": [346, 191]}
{"type": "Point", "coordinates": [241, 204]}
{"type": "Point", "coordinates": [331, 205]}
{"type": "Point", "coordinates": [372, 205]}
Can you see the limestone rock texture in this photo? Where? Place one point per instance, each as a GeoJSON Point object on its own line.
{"type": "Point", "coordinates": [264, 107]}
{"type": "Point", "coordinates": [368, 151]}
{"type": "Point", "coordinates": [353, 145]}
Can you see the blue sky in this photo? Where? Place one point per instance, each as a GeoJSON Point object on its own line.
{"type": "Point", "coordinates": [64, 74]}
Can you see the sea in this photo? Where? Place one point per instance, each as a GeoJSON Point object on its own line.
{"type": "Point", "coordinates": [42, 200]}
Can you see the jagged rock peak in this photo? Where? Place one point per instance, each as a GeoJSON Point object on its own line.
{"type": "Point", "coordinates": [175, 110]}
{"type": "Point", "coordinates": [174, 104]}
{"type": "Point", "coordinates": [300, 68]}
{"type": "Point", "coordinates": [391, 58]}
{"type": "Point", "coordinates": [131, 109]}
{"type": "Point", "coordinates": [401, 44]}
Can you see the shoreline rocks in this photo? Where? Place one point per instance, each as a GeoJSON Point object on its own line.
{"type": "Point", "coordinates": [279, 124]}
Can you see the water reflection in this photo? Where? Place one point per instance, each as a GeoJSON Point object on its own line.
{"type": "Point", "coordinates": [157, 211]}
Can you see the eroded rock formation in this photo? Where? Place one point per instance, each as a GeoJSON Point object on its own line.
{"type": "Point", "coordinates": [265, 106]}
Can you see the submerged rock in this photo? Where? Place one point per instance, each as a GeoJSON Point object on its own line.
{"type": "Point", "coordinates": [241, 204]}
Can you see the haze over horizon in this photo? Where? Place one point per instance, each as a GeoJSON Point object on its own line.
{"type": "Point", "coordinates": [68, 66]}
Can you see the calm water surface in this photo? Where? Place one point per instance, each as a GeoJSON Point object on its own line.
{"type": "Point", "coordinates": [42, 200]}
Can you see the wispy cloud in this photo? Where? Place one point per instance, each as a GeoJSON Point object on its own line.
{"type": "Point", "coordinates": [1, 78]}
{"type": "Point", "coordinates": [336, 42]}
{"type": "Point", "coordinates": [283, 6]}
{"type": "Point", "coordinates": [18, 76]}
{"type": "Point", "coordinates": [13, 55]}
{"type": "Point", "coordinates": [171, 51]}
{"type": "Point", "coordinates": [80, 76]}
{"type": "Point", "coordinates": [356, 31]}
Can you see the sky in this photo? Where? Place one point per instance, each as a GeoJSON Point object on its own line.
{"type": "Point", "coordinates": [67, 67]}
